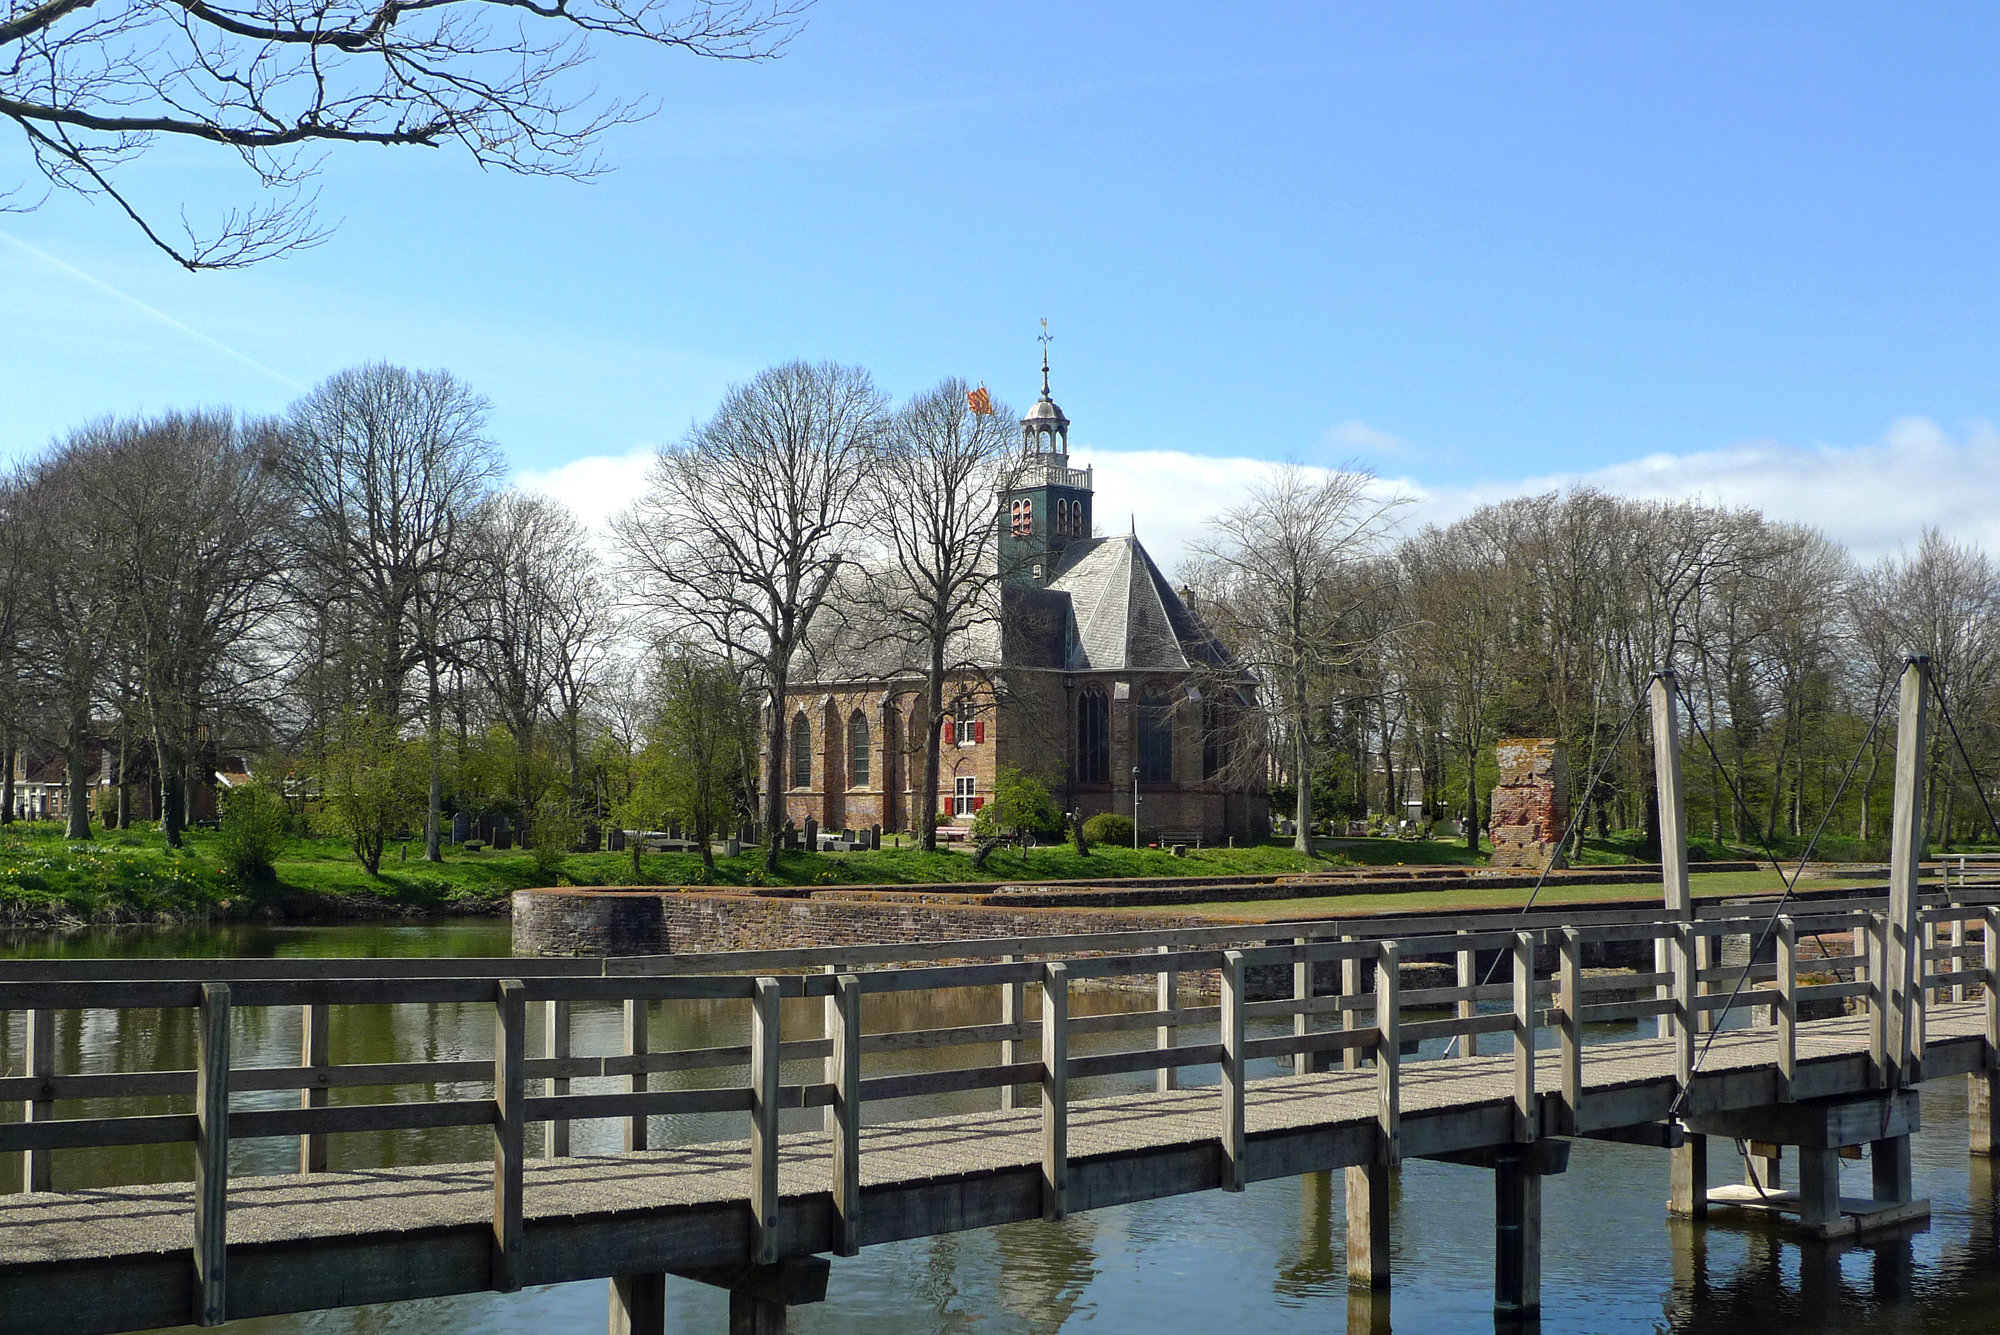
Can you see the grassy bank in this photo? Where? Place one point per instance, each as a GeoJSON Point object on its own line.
{"type": "Point", "coordinates": [130, 875]}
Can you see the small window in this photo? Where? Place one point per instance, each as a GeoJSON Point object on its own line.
{"type": "Point", "coordinates": [968, 731]}
{"type": "Point", "coordinates": [1024, 518]}
{"type": "Point", "coordinates": [857, 750]}
{"type": "Point", "coordinates": [802, 751]}
{"type": "Point", "coordinates": [964, 799]}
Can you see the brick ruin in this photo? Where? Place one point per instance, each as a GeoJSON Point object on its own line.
{"type": "Point", "coordinates": [1531, 803]}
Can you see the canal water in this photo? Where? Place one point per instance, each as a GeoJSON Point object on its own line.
{"type": "Point", "coordinates": [1267, 1259]}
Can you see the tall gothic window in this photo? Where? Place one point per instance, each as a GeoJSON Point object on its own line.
{"type": "Point", "coordinates": [1214, 738]}
{"type": "Point", "coordinates": [802, 751]}
{"type": "Point", "coordinates": [1156, 737]}
{"type": "Point", "coordinates": [1024, 518]}
{"type": "Point", "coordinates": [857, 750]}
{"type": "Point", "coordinates": [1093, 736]}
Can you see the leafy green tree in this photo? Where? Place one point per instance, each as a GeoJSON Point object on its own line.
{"type": "Point", "coordinates": [689, 769]}
{"type": "Point", "coordinates": [372, 782]}
{"type": "Point", "coordinates": [554, 827]}
{"type": "Point", "coordinates": [1021, 805]}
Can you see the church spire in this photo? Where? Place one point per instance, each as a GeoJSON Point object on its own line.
{"type": "Point", "coordinates": [1045, 431]}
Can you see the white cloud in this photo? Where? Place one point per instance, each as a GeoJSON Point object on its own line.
{"type": "Point", "coordinates": [1873, 497]}
{"type": "Point", "coordinates": [597, 486]}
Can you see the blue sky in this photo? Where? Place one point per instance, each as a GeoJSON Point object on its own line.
{"type": "Point", "coordinates": [1744, 251]}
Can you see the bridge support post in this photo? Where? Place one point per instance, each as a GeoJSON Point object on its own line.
{"type": "Point", "coordinates": [761, 1295]}
{"type": "Point", "coordinates": [639, 1305]}
{"type": "Point", "coordinates": [1517, 1236]}
{"type": "Point", "coordinates": [1687, 1189]}
{"type": "Point", "coordinates": [1982, 1104]}
{"type": "Point", "coordinates": [1368, 1226]}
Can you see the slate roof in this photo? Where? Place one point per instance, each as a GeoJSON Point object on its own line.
{"type": "Point", "coordinates": [1125, 615]}
{"type": "Point", "coordinates": [1107, 608]}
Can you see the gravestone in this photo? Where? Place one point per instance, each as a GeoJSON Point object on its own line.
{"type": "Point", "coordinates": [617, 839]}
{"type": "Point", "coordinates": [1531, 804]}
{"type": "Point", "coordinates": [875, 839]}
{"type": "Point", "coordinates": [812, 835]}
{"type": "Point", "coordinates": [461, 827]}
{"type": "Point", "coordinates": [791, 837]}
{"type": "Point", "coordinates": [503, 834]}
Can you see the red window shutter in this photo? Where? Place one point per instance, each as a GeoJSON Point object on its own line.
{"type": "Point", "coordinates": [948, 731]}
{"type": "Point", "coordinates": [979, 731]}
{"type": "Point", "coordinates": [978, 802]}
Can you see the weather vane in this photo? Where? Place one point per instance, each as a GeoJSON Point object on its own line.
{"type": "Point", "coordinates": [1044, 339]}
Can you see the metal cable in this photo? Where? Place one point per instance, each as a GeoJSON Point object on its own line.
{"type": "Point", "coordinates": [1788, 882]}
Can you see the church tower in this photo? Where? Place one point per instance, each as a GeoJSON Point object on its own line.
{"type": "Point", "coordinates": [1048, 507]}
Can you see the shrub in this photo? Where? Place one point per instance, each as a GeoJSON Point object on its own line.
{"type": "Point", "coordinates": [1108, 827]}
{"type": "Point", "coordinates": [553, 833]}
{"type": "Point", "coordinates": [254, 821]}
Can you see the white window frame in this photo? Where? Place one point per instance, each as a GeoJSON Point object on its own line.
{"type": "Point", "coordinates": [968, 730]}
{"type": "Point", "coordinates": [964, 789]}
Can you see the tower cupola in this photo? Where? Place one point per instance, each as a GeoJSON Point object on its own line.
{"type": "Point", "coordinates": [1048, 506]}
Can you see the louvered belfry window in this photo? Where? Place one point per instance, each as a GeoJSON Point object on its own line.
{"type": "Point", "coordinates": [1023, 513]}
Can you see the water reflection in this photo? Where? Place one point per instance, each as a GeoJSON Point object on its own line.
{"type": "Point", "coordinates": [1269, 1259]}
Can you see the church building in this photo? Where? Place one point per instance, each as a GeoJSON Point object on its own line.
{"type": "Point", "coordinates": [1096, 676]}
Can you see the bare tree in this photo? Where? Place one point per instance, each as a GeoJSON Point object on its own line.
{"type": "Point", "coordinates": [71, 599]}
{"type": "Point", "coordinates": [388, 469]}
{"type": "Point", "coordinates": [1274, 566]}
{"type": "Point", "coordinates": [742, 527]}
{"type": "Point", "coordinates": [198, 533]}
{"type": "Point", "coordinates": [933, 514]}
{"type": "Point", "coordinates": [279, 82]}
{"type": "Point", "coordinates": [1453, 644]}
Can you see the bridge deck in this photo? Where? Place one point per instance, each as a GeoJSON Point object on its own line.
{"type": "Point", "coordinates": [301, 1242]}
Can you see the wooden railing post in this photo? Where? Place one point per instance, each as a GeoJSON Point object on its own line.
{"type": "Point", "coordinates": [765, 1093]}
{"type": "Point", "coordinates": [1013, 1006]}
{"type": "Point", "coordinates": [1958, 958]}
{"type": "Point", "coordinates": [1526, 1116]}
{"type": "Point", "coordinates": [1788, 1006]}
{"type": "Point", "coordinates": [41, 1054]}
{"type": "Point", "coordinates": [1571, 986]}
{"type": "Point", "coordinates": [1468, 1009]}
{"type": "Point", "coordinates": [1167, 997]}
{"type": "Point", "coordinates": [1302, 993]}
{"type": "Point", "coordinates": [1990, 952]}
{"type": "Point", "coordinates": [846, 1025]}
{"type": "Point", "coordinates": [1683, 1009]}
{"type": "Point", "coordinates": [1389, 1053]}
{"type": "Point", "coordinates": [1231, 1034]}
{"type": "Point", "coordinates": [635, 1046]}
{"type": "Point", "coordinates": [1877, 1000]}
{"type": "Point", "coordinates": [829, 1018]}
{"type": "Point", "coordinates": [211, 1156]}
{"type": "Point", "coordinates": [1055, 1090]}
{"type": "Point", "coordinates": [1350, 991]}
{"type": "Point", "coordinates": [510, 1131]}
{"type": "Point", "coordinates": [1704, 959]}
{"type": "Point", "coordinates": [314, 1056]}
{"type": "Point", "coordinates": [555, 1045]}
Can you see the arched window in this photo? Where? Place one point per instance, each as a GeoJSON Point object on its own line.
{"type": "Point", "coordinates": [1215, 739]}
{"type": "Point", "coordinates": [1156, 737]}
{"type": "Point", "coordinates": [1023, 515]}
{"type": "Point", "coordinates": [802, 751]}
{"type": "Point", "coordinates": [1093, 736]}
{"type": "Point", "coordinates": [857, 750]}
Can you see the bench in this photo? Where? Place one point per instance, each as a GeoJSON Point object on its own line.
{"type": "Point", "coordinates": [1179, 839]}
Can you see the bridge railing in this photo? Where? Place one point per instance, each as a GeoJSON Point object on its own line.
{"type": "Point", "coordinates": [1831, 957]}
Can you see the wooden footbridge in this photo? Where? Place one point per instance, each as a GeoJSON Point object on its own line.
{"type": "Point", "coordinates": [1326, 1060]}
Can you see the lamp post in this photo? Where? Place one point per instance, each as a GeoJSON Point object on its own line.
{"type": "Point", "coordinates": [1135, 808]}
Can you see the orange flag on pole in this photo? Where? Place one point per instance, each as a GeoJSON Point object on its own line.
{"type": "Point", "coordinates": [980, 401]}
